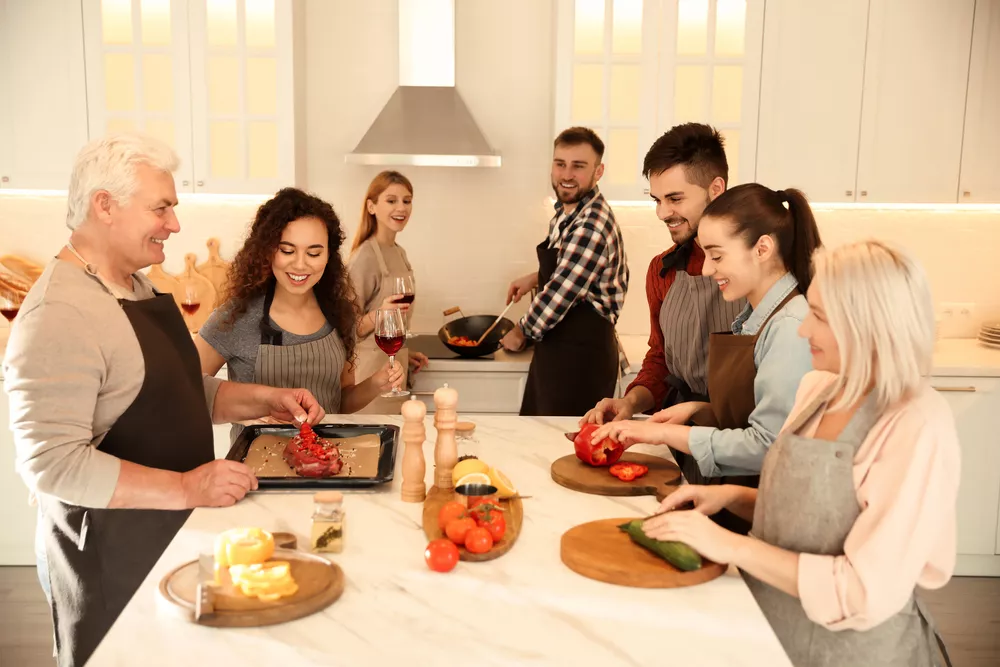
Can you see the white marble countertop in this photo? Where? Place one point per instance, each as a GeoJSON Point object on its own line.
{"type": "Point", "coordinates": [525, 608]}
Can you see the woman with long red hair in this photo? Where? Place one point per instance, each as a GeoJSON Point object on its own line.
{"type": "Point", "coordinates": [288, 317]}
{"type": "Point", "coordinates": [375, 262]}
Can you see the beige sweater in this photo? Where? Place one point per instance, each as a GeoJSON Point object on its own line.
{"type": "Point", "coordinates": [73, 366]}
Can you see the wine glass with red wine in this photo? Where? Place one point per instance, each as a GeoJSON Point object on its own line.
{"type": "Point", "coordinates": [390, 333]}
{"type": "Point", "coordinates": [10, 303]}
{"type": "Point", "coordinates": [404, 287]}
{"type": "Point", "coordinates": [191, 302]}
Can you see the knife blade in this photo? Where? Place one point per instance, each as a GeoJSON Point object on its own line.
{"type": "Point", "coordinates": [204, 604]}
{"type": "Point", "coordinates": [571, 436]}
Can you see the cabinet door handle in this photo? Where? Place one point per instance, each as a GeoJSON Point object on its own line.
{"type": "Point", "coordinates": [966, 193]}
{"type": "Point", "coordinates": [848, 193]}
{"type": "Point", "coordinates": [200, 184]}
{"type": "Point", "coordinates": [186, 183]}
{"type": "Point", "coordinates": [963, 389]}
{"type": "Point", "coordinates": [864, 193]}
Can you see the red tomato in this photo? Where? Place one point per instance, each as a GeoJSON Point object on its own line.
{"type": "Point", "coordinates": [457, 529]}
{"type": "Point", "coordinates": [450, 510]}
{"type": "Point", "coordinates": [478, 541]}
{"type": "Point", "coordinates": [492, 519]}
{"type": "Point", "coordinates": [604, 453]}
{"type": "Point", "coordinates": [441, 555]}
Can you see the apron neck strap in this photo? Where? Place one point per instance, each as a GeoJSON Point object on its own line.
{"type": "Point", "coordinates": [379, 258]}
{"type": "Point", "coordinates": [91, 270]}
{"type": "Point", "coordinates": [268, 334]}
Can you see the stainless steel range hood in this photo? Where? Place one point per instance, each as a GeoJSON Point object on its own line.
{"type": "Point", "coordinates": [425, 122]}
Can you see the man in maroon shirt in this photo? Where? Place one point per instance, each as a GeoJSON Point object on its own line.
{"type": "Point", "coordinates": [687, 169]}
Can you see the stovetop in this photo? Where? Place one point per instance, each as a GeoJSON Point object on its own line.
{"type": "Point", "coordinates": [432, 346]}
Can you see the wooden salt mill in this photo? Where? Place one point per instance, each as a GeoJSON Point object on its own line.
{"type": "Point", "coordinates": [414, 490]}
{"type": "Point", "coordinates": [445, 449]}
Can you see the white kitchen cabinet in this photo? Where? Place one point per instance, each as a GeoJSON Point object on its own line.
{"type": "Point", "coordinates": [975, 402]}
{"type": "Point", "coordinates": [493, 392]}
{"type": "Point", "coordinates": [913, 108]}
{"type": "Point", "coordinates": [632, 69]}
{"type": "Point", "coordinates": [980, 179]}
{"type": "Point", "coordinates": [43, 113]}
{"type": "Point", "coordinates": [212, 78]}
{"type": "Point", "coordinates": [812, 74]}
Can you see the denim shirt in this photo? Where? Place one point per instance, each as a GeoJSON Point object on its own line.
{"type": "Point", "coordinates": [781, 358]}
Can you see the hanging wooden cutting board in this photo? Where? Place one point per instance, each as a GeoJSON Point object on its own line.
{"type": "Point", "coordinates": [162, 281]}
{"type": "Point", "coordinates": [513, 510]}
{"type": "Point", "coordinates": [661, 480]}
{"type": "Point", "coordinates": [320, 583]}
{"type": "Point", "coordinates": [600, 550]}
{"type": "Point", "coordinates": [215, 268]}
{"type": "Point", "coordinates": [31, 271]}
{"type": "Point", "coordinates": [203, 292]}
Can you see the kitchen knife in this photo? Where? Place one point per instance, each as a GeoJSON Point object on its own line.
{"type": "Point", "coordinates": [204, 604]}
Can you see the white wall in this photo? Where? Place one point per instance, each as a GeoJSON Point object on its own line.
{"type": "Point", "coordinates": [473, 230]}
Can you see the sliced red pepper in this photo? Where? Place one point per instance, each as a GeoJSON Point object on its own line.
{"type": "Point", "coordinates": [626, 471]}
{"type": "Point", "coordinates": [604, 453]}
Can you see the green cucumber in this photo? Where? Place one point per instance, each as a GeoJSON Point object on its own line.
{"type": "Point", "coordinates": [677, 554]}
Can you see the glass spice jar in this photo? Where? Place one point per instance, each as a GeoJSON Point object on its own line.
{"type": "Point", "coordinates": [328, 522]}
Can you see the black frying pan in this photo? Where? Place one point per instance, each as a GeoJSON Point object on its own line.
{"type": "Point", "coordinates": [473, 327]}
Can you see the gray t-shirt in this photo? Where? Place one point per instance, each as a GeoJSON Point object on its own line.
{"type": "Point", "coordinates": [238, 343]}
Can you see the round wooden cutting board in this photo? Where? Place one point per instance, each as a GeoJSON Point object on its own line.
{"type": "Point", "coordinates": [661, 480]}
{"type": "Point", "coordinates": [320, 584]}
{"type": "Point", "coordinates": [600, 550]}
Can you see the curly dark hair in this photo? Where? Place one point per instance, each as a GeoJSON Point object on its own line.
{"type": "Point", "coordinates": [250, 273]}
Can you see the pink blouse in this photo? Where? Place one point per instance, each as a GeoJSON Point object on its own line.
{"type": "Point", "coordinates": [906, 473]}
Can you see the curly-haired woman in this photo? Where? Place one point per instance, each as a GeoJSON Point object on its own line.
{"type": "Point", "coordinates": [288, 317]}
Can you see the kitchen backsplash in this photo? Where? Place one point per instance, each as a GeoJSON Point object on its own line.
{"type": "Point", "coordinates": [467, 255]}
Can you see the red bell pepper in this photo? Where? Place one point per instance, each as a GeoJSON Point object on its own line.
{"type": "Point", "coordinates": [626, 471]}
{"type": "Point", "coordinates": [604, 453]}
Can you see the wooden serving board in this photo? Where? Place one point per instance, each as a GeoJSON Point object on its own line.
{"type": "Point", "coordinates": [215, 268]}
{"type": "Point", "coordinates": [513, 510]}
{"type": "Point", "coordinates": [600, 550]}
{"type": "Point", "coordinates": [661, 480]}
{"type": "Point", "coordinates": [320, 584]}
{"type": "Point", "coordinates": [162, 281]}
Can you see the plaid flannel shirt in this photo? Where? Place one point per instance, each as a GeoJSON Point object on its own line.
{"type": "Point", "coordinates": [591, 266]}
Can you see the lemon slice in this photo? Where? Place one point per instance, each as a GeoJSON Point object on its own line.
{"type": "Point", "coordinates": [504, 487]}
{"type": "Point", "coordinates": [466, 467]}
{"type": "Point", "coordinates": [474, 478]}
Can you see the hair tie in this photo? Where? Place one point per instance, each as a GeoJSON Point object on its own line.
{"type": "Point", "coordinates": [783, 198]}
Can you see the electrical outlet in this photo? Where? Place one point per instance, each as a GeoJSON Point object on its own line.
{"type": "Point", "coordinates": [957, 320]}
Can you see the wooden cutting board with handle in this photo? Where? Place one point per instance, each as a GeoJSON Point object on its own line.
{"type": "Point", "coordinates": [663, 477]}
{"type": "Point", "coordinates": [513, 510]}
{"type": "Point", "coordinates": [215, 268]}
{"type": "Point", "coordinates": [320, 584]}
{"type": "Point", "coordinates": [202, 292]}
{"type": "Point", "coordinates": [162, 281]}
{"type": "Point", "coordinates": [600, 550]}
{"type": "Point", "coordinates": [25, 268]}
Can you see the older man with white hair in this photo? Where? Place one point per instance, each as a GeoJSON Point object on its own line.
{"type": "Point", "coordinates": [112, 418]}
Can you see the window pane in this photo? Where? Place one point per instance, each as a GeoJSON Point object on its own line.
{"type": "Point", "coordinates": [727, 94]}
{"type": "Point", "coordinates": [692, 27]}
{"type": "Point", "coordinates": [155, 22]}
{"type": "Point", "coordinates": [622, 156]}
{"type": "Point", "coordinates": [262, 86]}
{"type": "Point", "coordinates": [589, 32]}
{"type": "Point", "coordinates": [223, 85]}
{"type": "Point", "coordinates": [588, 93]}
{"type": "Point", "coordinates": [625, 88]}
{"type": "Point", "coordinates": [260, 24]}
{"type": "Point", "coordinates": [157, 82]}
{"type": "Point", "coordinates": [263, 150]}
{"type": "Point", "coordinates": [119, 82]}
{"type": "Point", "coordinates": [116, 21]}
{"type": "Point", "coordinates": [224, 149]}
{"type": "Point", "coordinates": [690, 95]}
{"type": "Point", "coordinates": [626, 36]}
{"type": "Point", "coordinates": [730, 27]}
{"type": "Point", "coordinates": [221, 22]}
{"type": "Point", "coordinates": [116, 125]}
{"type": "Point", "coordinates": [162, 130]}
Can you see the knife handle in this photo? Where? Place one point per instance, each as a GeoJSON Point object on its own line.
{"type": "Point", "coordinates": [204, 603]}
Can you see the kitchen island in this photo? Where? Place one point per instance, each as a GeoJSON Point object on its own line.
{"type": "Point", "coordinates": [524, 608]}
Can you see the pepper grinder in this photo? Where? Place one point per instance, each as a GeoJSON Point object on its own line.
{"type": "Point", "coordinates": [445, 449]}
{"type": "Point", "coordinates": [414, 468]}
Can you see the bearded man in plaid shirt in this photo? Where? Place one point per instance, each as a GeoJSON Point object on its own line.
{"type": "Point", "coordinates": [582, 279]}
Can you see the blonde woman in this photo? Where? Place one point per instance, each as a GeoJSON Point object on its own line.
{"type": "Point", "coordinates": [375, 262]}
{"type": "Point", "coordinates": [856, 505]}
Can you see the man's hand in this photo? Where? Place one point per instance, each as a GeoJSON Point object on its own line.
{"type": "Point", "coordinates": [514, 340]}
{"type": "Point", "coordinates": [288, 405]}
{"type": "Point", "coordinates": [609, 409]}
{"type": "Point", "coordinates": [220, 483]}
{"type": "Point", "coordinates": [521, 286]}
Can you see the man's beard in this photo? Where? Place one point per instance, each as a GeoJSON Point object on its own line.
{"type": "Point", "coordinates": [575, 195]}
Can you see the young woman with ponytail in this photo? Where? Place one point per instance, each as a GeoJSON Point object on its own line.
{"type": "Point", "coordinates": [758, 245]}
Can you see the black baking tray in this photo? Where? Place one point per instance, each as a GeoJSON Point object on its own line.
{"type": "Point", "coordinates": [388, 439]}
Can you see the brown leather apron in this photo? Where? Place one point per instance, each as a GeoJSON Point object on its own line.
{"type": "Point", "coordinates": [99, 557]}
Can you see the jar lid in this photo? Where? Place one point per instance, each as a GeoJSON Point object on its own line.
{"type": "Point", "coordinates": [328, 497]}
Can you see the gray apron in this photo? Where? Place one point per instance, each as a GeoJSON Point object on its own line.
{"type": "Point", "coordinates": [807, 503]}
{"type": "Point", "coordinates": [369, 358]}
{"type": "Point", "coordinates": [316, 365]}
{"type": "Point", "coordinates": [692, 309]}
